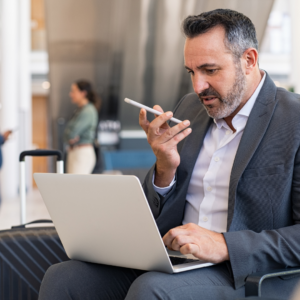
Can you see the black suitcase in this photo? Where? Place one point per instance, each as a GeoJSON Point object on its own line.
{"type": "Point", "coordinates": [27, 253]}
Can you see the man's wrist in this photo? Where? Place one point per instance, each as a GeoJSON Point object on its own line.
{"type": "Point", "coordinates": [163, 179]}
{"type": "Point", "coordinates": [224, 248]}
{"type": "Point", "coordinates": [163, 191]}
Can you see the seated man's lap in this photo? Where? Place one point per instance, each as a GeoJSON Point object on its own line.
{"type": "Point", "coordinates": [206, 283]}
{"type": "Point", "coordinates": [210, 283]}
{"type": "Point", "coordinates": [81, 280]}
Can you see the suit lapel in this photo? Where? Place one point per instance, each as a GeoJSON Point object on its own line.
{"type": "Point", "coordinates": [254, 131]}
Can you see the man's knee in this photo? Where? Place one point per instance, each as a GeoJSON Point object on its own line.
{"type": "Point", "coordinates": [149, 286]}
{"type": "Point", "coordinates": [52, 278]}
{"type": "Point", "coordinates": [82, 280]}
{"type": "Point", "coordinates": [61, 279]}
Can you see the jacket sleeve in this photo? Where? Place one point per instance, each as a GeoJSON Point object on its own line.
{"type": "Point", "coordinates": [152, 197]}
{"type": "Point", "coordinates": [155, 200]}
{"type": "Point", "coordinates": [252, 252]}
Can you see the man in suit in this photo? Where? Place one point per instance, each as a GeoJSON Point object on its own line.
{"type": "Point", "coordinates": [226, 183]}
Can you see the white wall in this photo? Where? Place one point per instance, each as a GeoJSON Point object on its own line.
{"type": "Point", "coordinates": [15, 89]}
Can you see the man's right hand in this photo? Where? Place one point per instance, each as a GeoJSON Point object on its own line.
{"type": "Point", "coordinates": [163, 140]}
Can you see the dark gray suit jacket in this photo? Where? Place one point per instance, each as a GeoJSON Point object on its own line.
{"type": "Point", "coordinates": [263, 227]}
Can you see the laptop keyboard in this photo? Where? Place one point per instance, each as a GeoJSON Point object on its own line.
{"type": "Point", "coordinates": [179, 260]}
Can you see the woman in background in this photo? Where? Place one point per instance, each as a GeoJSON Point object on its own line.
{"type": "Point", "coordinates": [80, 131]}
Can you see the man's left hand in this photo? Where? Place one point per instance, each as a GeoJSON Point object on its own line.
{"type": "Point", "coordinates": [204, 244]}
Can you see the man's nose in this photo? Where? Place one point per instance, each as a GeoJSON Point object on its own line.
{"type": "Point", "coordinates": [200, 84]}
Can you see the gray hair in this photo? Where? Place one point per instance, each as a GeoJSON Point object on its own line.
{"type": "Point", "coordinates": [239, 30]}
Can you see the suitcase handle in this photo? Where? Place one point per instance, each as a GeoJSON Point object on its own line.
{"type": "Point", "coordinates": [38, 152]}
{"type": "Point", "coordinates": [29, 223]}
{"type": "Point", "coordinates": [41, 152]}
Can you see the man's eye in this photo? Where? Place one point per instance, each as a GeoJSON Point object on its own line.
{"type": "Point", "coordinates": [190, 71]}
{"type": "Point", "coordinates": [211, 71]}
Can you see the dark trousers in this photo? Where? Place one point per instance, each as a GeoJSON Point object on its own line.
{"type": "Point", "coordinates": [81, 280]}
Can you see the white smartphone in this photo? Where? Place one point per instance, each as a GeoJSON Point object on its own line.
{"type": "Point", "coordinates": [156, 112]}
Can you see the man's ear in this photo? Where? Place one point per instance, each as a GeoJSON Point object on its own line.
{"type": "Point", "coordinates": [250, 57]}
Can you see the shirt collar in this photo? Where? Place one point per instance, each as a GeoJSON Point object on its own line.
{"type": "Point", "coordinates": [246, 109]}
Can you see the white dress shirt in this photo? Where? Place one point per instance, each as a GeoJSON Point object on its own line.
{"type": "Point", "coordinates": [207, 195]}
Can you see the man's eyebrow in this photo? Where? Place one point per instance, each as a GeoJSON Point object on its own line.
{"type": "Point", "coordinates": [203, 66]}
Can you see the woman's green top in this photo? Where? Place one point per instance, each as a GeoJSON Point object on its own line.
{"type": "Point", "coordinates": [83, 124]}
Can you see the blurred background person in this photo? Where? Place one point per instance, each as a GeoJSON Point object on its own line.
{"type": "Point", "coordinates": [79, 134]}
{"type": "Point", "coordinates": [3, 138]}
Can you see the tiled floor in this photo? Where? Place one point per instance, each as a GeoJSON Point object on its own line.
{"type": "Point", "coordinates": [10, 210]}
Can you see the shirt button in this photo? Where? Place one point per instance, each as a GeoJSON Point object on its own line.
{"type": "Point", "coordinates": [205, 219]}
{"type": "Point", "coordinates": [209, 188]}
{"type": "Point", "coordinates": [228, 132]}
{"type": "Point", "coordinates": [217, 158]}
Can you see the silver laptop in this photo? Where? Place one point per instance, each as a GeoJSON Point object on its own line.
{"type": "Point", "coordinates": [106, 219]}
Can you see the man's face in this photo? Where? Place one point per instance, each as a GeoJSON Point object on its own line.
{"type": "Point", "coordinates": [217, 77]}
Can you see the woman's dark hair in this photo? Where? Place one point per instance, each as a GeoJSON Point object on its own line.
{"type": "Point", "coordinates": [239, 30]}
{"type": "Point", "coordinates": [86, 86]}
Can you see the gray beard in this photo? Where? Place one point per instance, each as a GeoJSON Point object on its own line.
{"type": "Point", "coordinates": [232, 100]}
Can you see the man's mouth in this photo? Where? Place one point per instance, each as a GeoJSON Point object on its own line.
{"type": "Point", "coordinates": [208, 99]}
